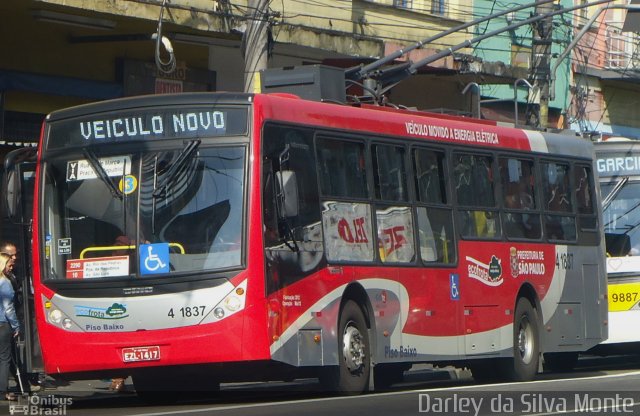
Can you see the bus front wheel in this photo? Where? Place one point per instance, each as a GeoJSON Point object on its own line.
{"type": "Point", "coordinates": [526, 344]}
{"type": "Point", "coordinates": [351, 376]}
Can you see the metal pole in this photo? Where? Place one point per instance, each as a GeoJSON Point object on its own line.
{"type": "Point", "coordinates": [466, 88]}
{"type": "Point", "coordinates": [541, 51]}
{"type": "Point", "coordinates": [254, 46]}
{"type": "Point", "coordinates": [515, 96]}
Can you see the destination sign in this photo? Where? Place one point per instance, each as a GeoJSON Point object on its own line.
{"type": "Point", "coordinates": [149, 124]}
{"type": "Point", "coordinates": [618, 164]}
{"type": "Point", "coordinates": [79, 170]}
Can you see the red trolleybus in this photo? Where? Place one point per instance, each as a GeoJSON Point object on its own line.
{"type": "Point", "coordinates": [193, 239]}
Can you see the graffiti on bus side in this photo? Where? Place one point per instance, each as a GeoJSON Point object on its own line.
{"type": "Point", "coordinates": [348, 229]}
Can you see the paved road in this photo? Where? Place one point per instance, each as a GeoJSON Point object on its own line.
{"type": "Point", "coordinates": [611, 383]}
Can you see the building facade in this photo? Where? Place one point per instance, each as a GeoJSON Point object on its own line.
{"type": "Point", "coordinates": [606, 73]}
{"type": "Point", "coordinates": [60, 53]}
{"type": "Point", "coordinates": [515, 48]}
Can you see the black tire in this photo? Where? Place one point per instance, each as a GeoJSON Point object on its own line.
{"type": "Point", "coordinates": [560, 362]}
{"type": "Point", "coordinates": [351, 376]}
{"type": "Point", "coordinates": [526, 344]}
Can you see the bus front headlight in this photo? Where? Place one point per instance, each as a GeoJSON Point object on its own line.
{"type": "Point", "coordinates": [55, 316]}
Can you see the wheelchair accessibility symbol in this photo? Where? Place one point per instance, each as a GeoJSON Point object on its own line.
{"type": "Point", "coordinates": [154, 258]}
{"type": "Point", "coordinates": [454, 284]}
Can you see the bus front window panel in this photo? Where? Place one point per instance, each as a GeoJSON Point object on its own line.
{"type": "Point", "coordinates": [395, 234]}
{"type": "Point", "coordinates": [85, 212]}
{"type": "Point", "coordinates": [621, 220]}
{"type": "Point", "coordinates": [196, 213]}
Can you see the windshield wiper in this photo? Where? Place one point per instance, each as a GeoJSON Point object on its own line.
{"type": "Point", "coordinates": [176, 169]}
{"type": "Point", "coordinates": [101, 173]}
{"type": "Point", "coordinates": [614, 192]}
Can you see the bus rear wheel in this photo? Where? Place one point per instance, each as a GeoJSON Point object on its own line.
{"type": "Point", "coordinates": [526, 343]}
{"type": "Point", "coordinates": [351, 376]}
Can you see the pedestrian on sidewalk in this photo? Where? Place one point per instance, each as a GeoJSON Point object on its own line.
{"type": "Point", "coordinates": [21, 376]}
{"type": "Point", "coordinates": [9, 328]}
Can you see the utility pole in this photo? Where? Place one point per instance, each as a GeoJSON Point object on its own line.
{"type": "Point", "coordinates": [541, 67]}
{"type": "Point", "coordinates": [255, 43]}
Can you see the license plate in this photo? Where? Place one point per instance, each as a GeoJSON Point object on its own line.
{"type": "Point", "coordinates": [135, 354]}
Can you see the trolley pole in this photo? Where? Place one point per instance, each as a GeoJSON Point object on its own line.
{"type": "Point", "coordinates": [541, 67]}
{"type": "Point", "coordinates": [255, 43]}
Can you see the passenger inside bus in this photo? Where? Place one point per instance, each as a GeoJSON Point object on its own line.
{"type": "Point", "coordinates": [558, 226]}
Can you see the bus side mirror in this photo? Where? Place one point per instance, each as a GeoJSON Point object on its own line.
{"type": "Point", "coordinates": [19, 169]}
{"type": "Point", "coordinates": [287, 193]}
{"type": "Point", "coordinates": [11, 191]}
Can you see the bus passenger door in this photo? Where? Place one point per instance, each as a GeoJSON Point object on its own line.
{"type": "Point", "coordinates": [18, 186]}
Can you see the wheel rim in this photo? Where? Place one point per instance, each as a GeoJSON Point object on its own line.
{"type": "Point", "coordinates": [525, 340]}
{"type": "Point", "coordinates": [353, 348]}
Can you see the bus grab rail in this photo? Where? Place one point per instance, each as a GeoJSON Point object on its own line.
{"type": "Point", "coordinates": [131, 247]}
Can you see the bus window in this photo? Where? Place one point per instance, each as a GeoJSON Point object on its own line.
{"type": "Point", "coordinates": [342, 168]}
{"type": "Point", "coordinates": [517, 181]}
{"type": "Point", "coordinates": [435, 223]}
{"type": "Point", "coordinates": [430, 182]}
{"type": "Point", "coordinates": [347, 231]}
{"type": "Point", "coordinates": [587, 219]}
{"type": "Point", "coordinates": [206, 224]}
{"type": "Point", "coordinates": [293, 245]}
{"type": "Point", "coordinates": [389, 173]}
{"type": "Point", "coordinates": [394, 223]}
{"type": "Point", "coordinates": [474, 188]}
{"type": "Point", "coordinates": [560, 224]}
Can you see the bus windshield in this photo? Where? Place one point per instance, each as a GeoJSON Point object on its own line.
{"type": "Point", "coordinates": [622, 219]}
{"type": "Point", "coordinates": [149, 213]}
